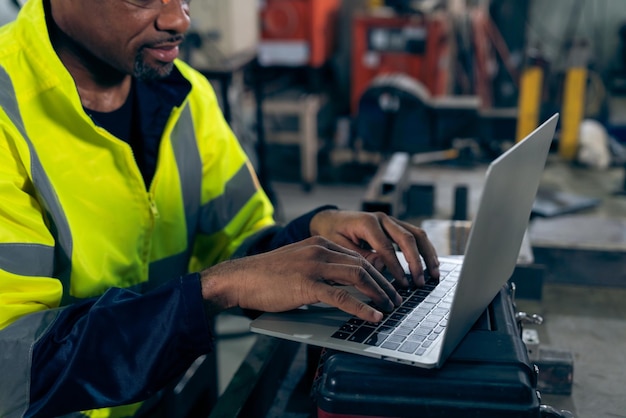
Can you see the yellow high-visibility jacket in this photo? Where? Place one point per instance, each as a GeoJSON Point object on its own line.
{"type": "Point", "coordinates": [97, 291]}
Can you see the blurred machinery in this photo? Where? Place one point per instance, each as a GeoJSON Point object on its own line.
{"type": "Point", "coordinates": [297, 32]}
{"type": "Point", "coordinates": [401, 81]}
{"type": "Point", "coordinates": [222, 30]}
{"type": "Point", "coordinates": [416, 45]}
{"type": "Point", "coordinates": [396, 113]}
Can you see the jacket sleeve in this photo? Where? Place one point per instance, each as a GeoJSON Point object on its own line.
{"type": "Point", "coordinates": [72, 361]}
{"type": "Point", "coordinates": [116, 349]}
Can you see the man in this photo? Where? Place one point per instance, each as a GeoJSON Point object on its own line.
{"type": "Point", "coordinates": [130, 216]}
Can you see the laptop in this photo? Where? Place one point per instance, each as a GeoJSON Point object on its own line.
{"type": "Point", "coordinates": [436, 318]}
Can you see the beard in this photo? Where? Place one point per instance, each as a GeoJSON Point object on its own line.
{"type": "Point", "coordinates": [147, 72]}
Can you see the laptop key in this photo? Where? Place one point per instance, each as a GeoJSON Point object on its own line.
{"type": "Point", "coordinates": [341, 335]}
{"type": "Point", "coordinates": [390, 345]}
{"type": "Point", "coordinates": [361, 334]}
{"type": "Point", "coordinates": [402, 330]}
{"type": "Point", "coordinates": [421, 331]}
{"type": "Point", "coordinates": [408, 347]}
{"type": "Point", "coordinates": [427, 324]}
{"type": "Point", "coordinates": [385, 329]}
{"type": "Point", "coordinates": [397, 316]}
{"type": "Point", "coordinates": [410, 304]}
{"type": "Point", "coordinates": [405, 292]}
{"type": "Point", "coordinates": [411, 322]}
{"type": "Point", "coordinates": [416, 337]}
{"type": "Point", "coordinates": [349, 328]}
{"type": "Point", "coordinates": [435, 317]}
{"type": "Point", "coordinates": [376, 339]}
{"type": "Point", "coordinates": [403, 310]}
{"type": "Point", "coordinates": [391, 323]}
{"type": "Point", "coordinates": [394, 338]}
{"type": "Point", "coordinates": [447, 267]}
{"type": "Point", "coordinates": [440, 310]}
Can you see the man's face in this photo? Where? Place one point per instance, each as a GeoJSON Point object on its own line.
{"type": "Point", "coordinates": [138, 37]}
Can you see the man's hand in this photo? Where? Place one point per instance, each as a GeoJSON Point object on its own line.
{"type": "Point", "coordinates": [303, 273]}
{"type": "Point", "coordinates": [379, 232]}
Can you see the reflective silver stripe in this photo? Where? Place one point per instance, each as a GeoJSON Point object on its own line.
{"type": "Point", "coordinates": [16, 343]}
{"type": "Point", "coordinates": [27, 259]}
{"type": "Point", "coordinates": [215, 215]}
{"type": "Point", "coordinates": [8, 102]}
{"type": "Point", "coordinates": [189, 166]}
{"type": "Point", "coordinates": [60, 227]}
{"type": "Point", "coordinates": [210, 218]}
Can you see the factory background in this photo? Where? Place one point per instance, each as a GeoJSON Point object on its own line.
{"type": "Point", "coordinates": [329, 96]}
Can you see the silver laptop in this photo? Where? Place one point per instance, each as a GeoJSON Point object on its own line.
{"type": "Point", "coordinates": [432, 321]}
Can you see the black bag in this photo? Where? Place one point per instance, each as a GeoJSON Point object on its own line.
{"type": "Point", "coordinates": [488, 375]}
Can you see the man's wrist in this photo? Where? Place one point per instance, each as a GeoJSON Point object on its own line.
{"type": "Point", "coordinates": [215, 292]}
{"type": "Point", "coordinates": [315, 215]}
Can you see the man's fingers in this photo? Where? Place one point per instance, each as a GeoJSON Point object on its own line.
{"type": "Point", "coordinates": [344, 266]}
{"type": "Point", "coordinates": [383, 237]}
{"type": "Point", "coordinates": [366, 280]}
{"type": "Point", "coordinates": [426, 249]}
{"type": "Point", "coordinates": [380, 239]}
{"type": "Point", "coordinates": [342, 299]}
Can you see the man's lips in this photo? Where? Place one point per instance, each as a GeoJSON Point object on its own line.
{"type": "Point", "coordinates": [164, 53]}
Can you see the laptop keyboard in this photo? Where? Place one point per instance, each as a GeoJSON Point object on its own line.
{"type": "Point", "coordinates": [414, 325]}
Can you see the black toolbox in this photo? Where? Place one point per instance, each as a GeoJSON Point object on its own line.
{"type": "Point", "coordinates": [488, 375]}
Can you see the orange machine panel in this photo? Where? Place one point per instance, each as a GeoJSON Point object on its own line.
{"type": "Point", "coordinates": [417, 46]}
{"type": "Point", "coordinates": [312, 22]}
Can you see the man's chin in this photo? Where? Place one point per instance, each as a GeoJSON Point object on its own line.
{"type": "Point", "coordinates": [146, 72]}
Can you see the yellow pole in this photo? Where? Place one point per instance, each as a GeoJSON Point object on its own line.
{"type": "Point", "coordinates": [529, 103]}
{"type": "Point", "coordinates": [375, 4]}
{"type": "Point", "coordinates": [573, 111]}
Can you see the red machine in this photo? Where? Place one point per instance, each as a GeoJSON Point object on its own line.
{"type": "Point", "coordinates": [414, 45]}
{"type": "Point", "coordinates": [297, 32]}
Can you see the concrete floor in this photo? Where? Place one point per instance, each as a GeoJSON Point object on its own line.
{"type": "Point", "coordinates": [589, 321]}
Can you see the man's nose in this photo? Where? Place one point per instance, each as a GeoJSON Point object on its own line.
{"type": "Point", "coordinates": [174, 16]}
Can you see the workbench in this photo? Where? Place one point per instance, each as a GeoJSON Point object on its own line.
{"type": "Point", "coordinates": [578, 228]}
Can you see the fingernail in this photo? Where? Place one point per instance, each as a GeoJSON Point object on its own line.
{"type": "Point", "coordinates": [421, 280]}
{"type": "Point", "coordinates": [378, 316]}
{"type": "Point", "coordinates": [398, 300]}
{"type": "Point", "coordinates": [406, 281]}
